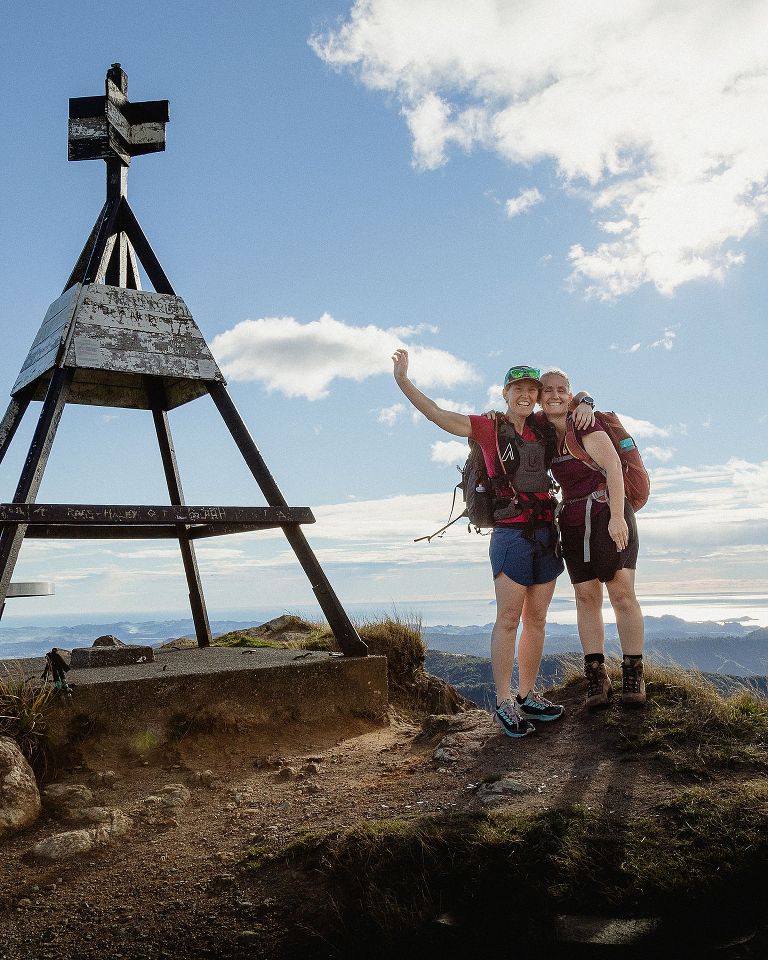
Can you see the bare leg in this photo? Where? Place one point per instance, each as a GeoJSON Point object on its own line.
{"type": "Point", "coordinates": [510, 597]}
{"type": "Point", "coordinates": [535, 606]}
{"type": "Point", "coordinates": [629, 616]}
{"type": "Point", "coordinates": [589, 616]}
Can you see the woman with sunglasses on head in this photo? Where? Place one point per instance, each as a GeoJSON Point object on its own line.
{"type": "Point", "coordinates": [517, 450]}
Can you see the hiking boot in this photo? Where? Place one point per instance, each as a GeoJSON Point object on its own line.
{"type": "Point", "coordinates": [536, 707]}
{"type": "Point", "coordinates": [599, 689]}
{"type": "Point", "coordinates": [632, 684]}
{"type": "Point", "coordinates": [510, 720]}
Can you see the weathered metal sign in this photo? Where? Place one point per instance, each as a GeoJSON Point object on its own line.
{"type": "Point", "coordinates": [125, 335]}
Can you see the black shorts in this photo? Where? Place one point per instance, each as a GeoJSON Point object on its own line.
{"type": "Point", "coordinates": [605, 559]}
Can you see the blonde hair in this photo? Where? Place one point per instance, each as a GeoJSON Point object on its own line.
{"type": "Point", "coordinates": [560, 373]}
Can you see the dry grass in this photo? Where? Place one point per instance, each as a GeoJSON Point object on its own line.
{"type": "Point", "coordinates": [688, 724]}
{"type": "Point", "coordinates": [25, 707]}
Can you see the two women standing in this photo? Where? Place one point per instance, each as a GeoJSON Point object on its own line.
{"type": "Point", "coordinates": [519, 451]}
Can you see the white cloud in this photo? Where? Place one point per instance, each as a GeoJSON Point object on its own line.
{"type": "Point", "coordinates": [449, 452]}
{"type": "Point", "coordinates": [663, 454]}
{"type": "Point", "coordinates": [643, 428]}
{"type": "Point", "coordinates": [632, 349]}
{"type": "Point", "coordinates": [457, 406]}
{"type": "Point", "coordinates": [667, 340]}
{"type": "Point", "coordinates": [656, 110]}
{"type": "Point", "coordinates": [390, 415]}
{"type": "Point", "coordinates": [523, 202]}
{"type": "Point", "coordinates": [302, 359]}
{"type": "Point", "coordinates": [495, 397]}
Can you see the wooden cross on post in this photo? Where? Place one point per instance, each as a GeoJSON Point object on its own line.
{"type": "Point", "coordinates": [112, 128]}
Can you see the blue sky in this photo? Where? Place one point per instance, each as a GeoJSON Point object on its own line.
{"type": "Point", "coordinates": [488, 184]}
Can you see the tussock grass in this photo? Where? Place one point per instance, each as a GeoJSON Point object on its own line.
{"type": "Point", "coordinates": [25, 707]}
{"type": "Point", "coordinates": [688, 723]}
{"type": "Point", "coordinates": [397, 638]}
{"type": "Point", "coordinates": [393, 880]}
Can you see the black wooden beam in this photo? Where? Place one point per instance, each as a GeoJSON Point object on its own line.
{"type": "Point", "coordinates": [73, 531]}
{"type": "Point", "coordinates": [78, 273]}
{"type": "Point", "coordinates": [145, 253]}
{"type": "Point", "coordinates": [348, 638]}
{"type": "Point", "coordinates": [156, 393]}
{"type": "Point", "coordinates": [80, 514]}
{"type": "Point", "coordinates": [13, 416]}
{"type": "Point", "coordinates": [32, 471]}
{"type": "Point", "coordinates": [108, 228]}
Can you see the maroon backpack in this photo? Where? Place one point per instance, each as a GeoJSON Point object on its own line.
{"type": "Point", "coordinates": [637, 483]}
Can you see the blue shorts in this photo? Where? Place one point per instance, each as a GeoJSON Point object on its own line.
{"type": "Point", "coordinates": [524, 561]}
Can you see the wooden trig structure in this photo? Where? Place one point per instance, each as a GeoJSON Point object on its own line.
{"type": "Point", "coordinates": [107, 342]}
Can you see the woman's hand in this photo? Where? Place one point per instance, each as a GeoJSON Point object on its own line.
{"type": "Point", "coordinates": [583, 416]}
{"type": "Point", "coordinates": [400, 361]}
{"type": "Point", "coordinates": [618, 532]}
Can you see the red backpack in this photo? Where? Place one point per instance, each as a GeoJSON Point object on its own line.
{"type": "Point", "coordinates": [637, 483]}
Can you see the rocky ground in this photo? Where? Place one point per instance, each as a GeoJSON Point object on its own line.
{"type": "Point", "coordinates": [164, 875]}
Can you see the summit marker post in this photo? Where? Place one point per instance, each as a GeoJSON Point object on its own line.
{"type": "Point", "coordinates": [107, 342]}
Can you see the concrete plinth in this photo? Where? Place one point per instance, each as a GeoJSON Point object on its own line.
{"type": "Point", "coordinates": [122, 656]}
{"type": "Point", "coordinates": [249, 687]}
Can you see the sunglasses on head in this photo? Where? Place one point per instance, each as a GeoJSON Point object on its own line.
{"type": "Point", "coordinates": [521, 373]}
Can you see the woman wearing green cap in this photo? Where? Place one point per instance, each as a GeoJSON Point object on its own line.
{"type": "Point", "coordinates": [517, 451]}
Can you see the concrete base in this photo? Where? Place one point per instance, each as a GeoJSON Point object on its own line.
{"type": "Point", "coordinates": [122, 656]}
{"type": "Point", "coordinates": [243, 688]}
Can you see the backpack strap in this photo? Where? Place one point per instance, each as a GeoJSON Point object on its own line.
{"type": "Point", "coordinates": [576, 449]}
{"type": "Point", "coordinates": [451, 519]}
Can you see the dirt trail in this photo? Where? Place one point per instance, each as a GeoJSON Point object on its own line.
{"type": "Point", "coordinates": [172, 887]}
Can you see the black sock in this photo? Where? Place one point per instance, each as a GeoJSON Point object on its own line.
{"type": "Point", "coordinates": [633, 658]}
{"type": "Point", "coordinates": [594, 658]}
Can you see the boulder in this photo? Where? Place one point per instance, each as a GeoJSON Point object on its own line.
{"type": "Point", "coordinates": [19, 796]}
{"type": "Point", "coordinates": [60, 796]}
{"type": "Point", "coordinates": [108, 640]}
{"type": "Point", "coordinates": [62, 846]}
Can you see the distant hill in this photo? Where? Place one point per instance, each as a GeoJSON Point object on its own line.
{"type": "Point", "coordinates": [33, 641]}
{"type": "Point", "coordinates": [711, 647]}
{"type": "Point", "coordinates": [727, 648]}
{"type": "Point", "coordinates": [472, 677]}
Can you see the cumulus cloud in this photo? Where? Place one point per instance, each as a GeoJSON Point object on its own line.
{"type": "Point", "coordinates": [523, 202]}
{"type": "Point", "coordinates": [643, 428]}
{"type": "Point", "coordinates": [390, 415]}
{"type": "Point", "coordinates": [663, 454]}
{"type": "Point", "coordinates": [449, 452]}
{"type": "Point", "coordinates": [656, 112]}
{"type": "Point", "coordinates": [302, 359]}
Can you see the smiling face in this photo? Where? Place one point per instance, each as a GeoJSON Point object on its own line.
{"type": "Point", "coordinates": [555, 395]}
{"type": "Point", "coordinates": [521, 397]}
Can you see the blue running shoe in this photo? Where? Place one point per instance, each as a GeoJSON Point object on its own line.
{"type": "Point", "coordinates": [510, 720]}
{"type": "Point", "coordinates": [537, 707]}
